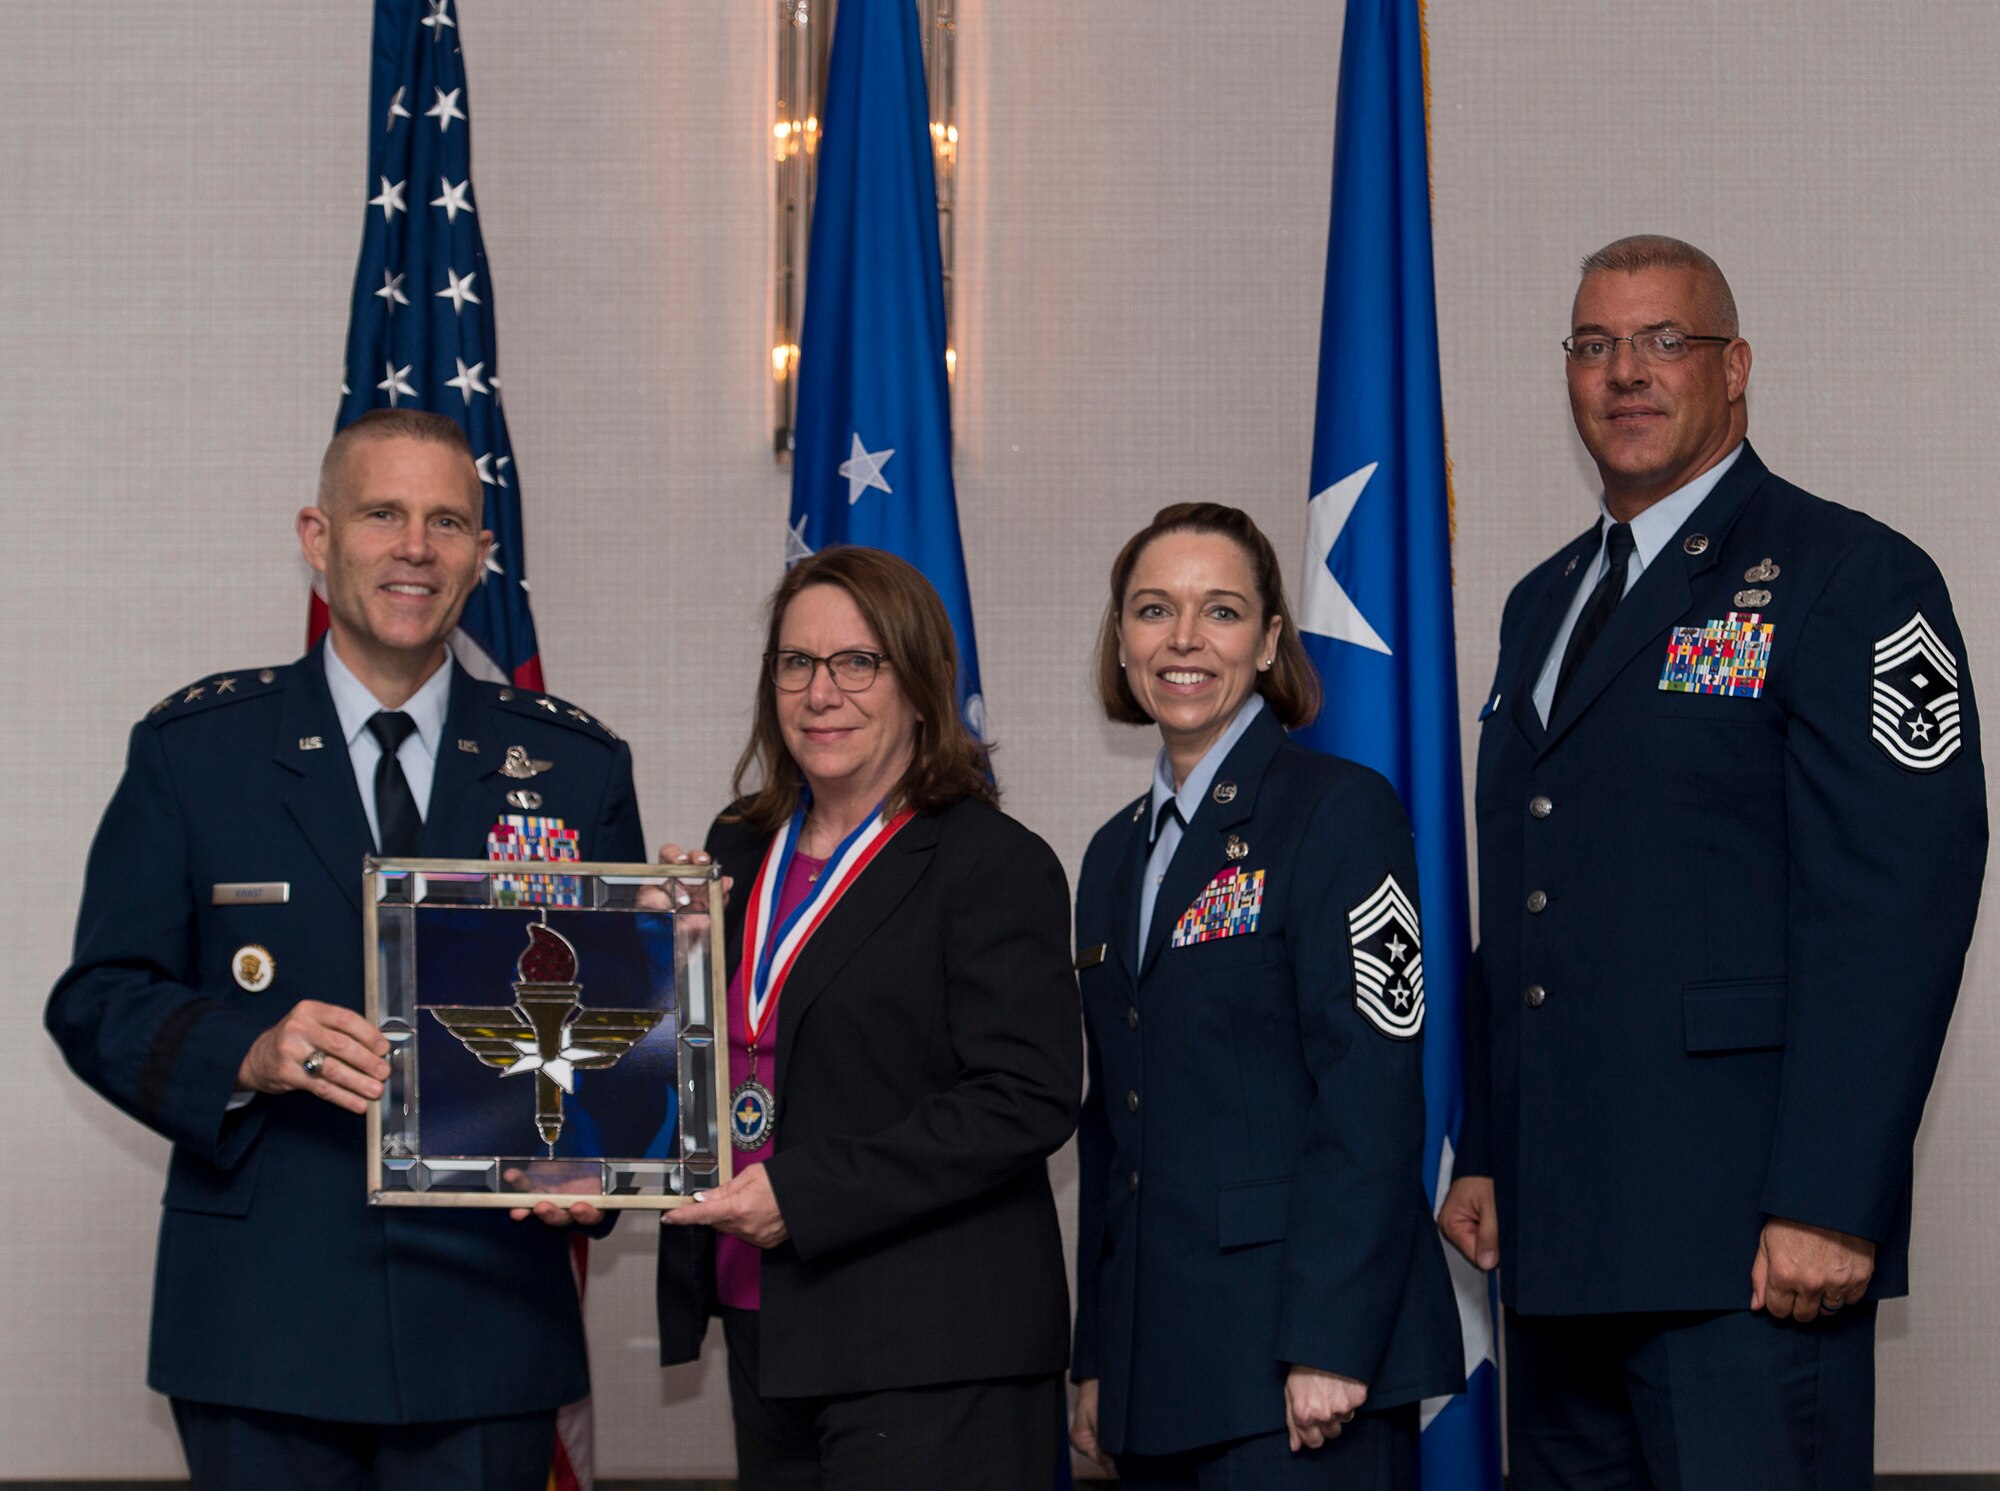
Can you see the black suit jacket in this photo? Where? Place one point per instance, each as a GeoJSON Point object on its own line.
{"type": "Point", "coordinates": [929, 1059]}
{"type": "Point", "coordinates": [426, 1314]}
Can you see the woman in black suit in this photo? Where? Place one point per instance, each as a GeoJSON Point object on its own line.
{"type": "Point", "coordinates": [905, 1055]}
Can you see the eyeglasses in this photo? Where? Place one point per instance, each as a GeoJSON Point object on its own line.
{"type": "Point", "coordinates": [851, 672]}
{"type": "Point", "coordinates": [1593, 349]}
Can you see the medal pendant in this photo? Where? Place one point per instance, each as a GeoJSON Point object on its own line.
{"type": "Point", "coordinates": [753, 1114]}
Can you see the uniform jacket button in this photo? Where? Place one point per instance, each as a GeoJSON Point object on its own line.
{"type": "Point", "coordinates": [1132, 1181]}
{"type": "Point", "coordinates": [1535, 996]}
{"type": "Point", "coordinates": [1537, 900]}
{"type": "Point", "coordinates": [1131, 1102]}
{"type": "Point", "coordinates": [1131, 1017]}
{"type": "Point", "coordinates": [1540, 807]}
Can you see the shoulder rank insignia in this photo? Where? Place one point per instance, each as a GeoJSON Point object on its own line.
{"type": "Point", "coordinates": [1916, 697]}
{"type": "Point", "coordinates": [1388, 961]}
{"type": "Point", "coordinates": [1729, 657]}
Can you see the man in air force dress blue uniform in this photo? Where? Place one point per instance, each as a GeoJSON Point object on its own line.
{"type": "Point", "coordinates": [306, 1339]}
{"type": "Point", "coordinates": [1732, 825]}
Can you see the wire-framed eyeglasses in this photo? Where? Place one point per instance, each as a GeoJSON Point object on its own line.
{"type": "Point", "coordinates": [1593, 349]}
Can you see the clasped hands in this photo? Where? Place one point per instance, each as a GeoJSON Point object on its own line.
{"type": "Point", "coordinates": [1800, 1270]}
{"type": "Point", "coordinates": [1318, 1405]}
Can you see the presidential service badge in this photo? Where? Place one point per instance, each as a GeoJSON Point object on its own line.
{"type": "Point", "coordinates": [1388, 961]}
{"type": "Point", "coordinates": [253, 968]}
{"type": "Point", "coordinates": [1916, 697]}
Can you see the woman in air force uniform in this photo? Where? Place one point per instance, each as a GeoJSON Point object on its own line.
{"type": "Point", "coordinates": [1262, 1299]}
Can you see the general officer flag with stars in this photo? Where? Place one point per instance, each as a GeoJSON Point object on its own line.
{"type": "Point", "coordinates": [420, 334]}
{"type": "Point", "coordinates": [1375, 601]}
{"type": "Point", "coordinates": [871, 460]}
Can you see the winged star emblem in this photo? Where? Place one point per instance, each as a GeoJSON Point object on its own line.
{"type": "Point", "coordinates": [547, 1032]}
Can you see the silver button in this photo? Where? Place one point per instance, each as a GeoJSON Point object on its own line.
{"type": "Point", "coordinates": [1535, 996]}
{"type": "Point", "coordinates": [1540, 807]}
{"type": "Point", "coordinates": [1131, 1017]}
{"type": "Point", "coordinates": [1131, 1102]}
{"type": "Point", "coordinates": [1538, 900]}
{"type": "Point", "coordinates": [1132, 1181]}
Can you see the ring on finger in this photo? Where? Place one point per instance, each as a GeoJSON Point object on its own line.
{"type": "Point", "coordinates": [315, 1061]}
{"type": "Point", "coordinates": [1832, 1304]}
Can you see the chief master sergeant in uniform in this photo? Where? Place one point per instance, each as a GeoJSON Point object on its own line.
{"type": "Point", "coordinates": [306, 1339]}
{"type": "Point", "coordinates": [1732, 825]}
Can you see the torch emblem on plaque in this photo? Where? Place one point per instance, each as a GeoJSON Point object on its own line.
{"type": "Point", "coordinates": [547, 1031]}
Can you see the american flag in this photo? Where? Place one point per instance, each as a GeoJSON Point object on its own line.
{"type": "Point", "coordinates": [420, 333]}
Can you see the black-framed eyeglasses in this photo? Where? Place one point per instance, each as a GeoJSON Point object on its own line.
{"type": "Point", "coordinates": [1593, 349]}
{"type": "Point", "coordinates": [852, 672]}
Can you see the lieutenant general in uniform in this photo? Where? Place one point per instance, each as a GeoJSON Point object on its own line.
{"type": "Point", "coordinates": [305, 1339]}
{"type": "Point", "coordinates": [1732, 824]}
{"type": "Point", "coordinates": [1261, 1299]}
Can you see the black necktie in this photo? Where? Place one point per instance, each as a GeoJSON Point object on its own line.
{"type": "Point", "coordinates": [1171, 810]}
{"type": "Point", "coordinates": [399, 826]}
{"type": "Point", "coordinates": [1597, 610]}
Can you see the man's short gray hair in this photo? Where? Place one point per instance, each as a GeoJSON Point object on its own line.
{"type": "Point", "coordinates": [1658, 251]}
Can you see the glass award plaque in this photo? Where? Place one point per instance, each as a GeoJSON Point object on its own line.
{"type": "Point", "coordinates": [553, 1032]}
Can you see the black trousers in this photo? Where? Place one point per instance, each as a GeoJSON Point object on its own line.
{"type": "Point", "coordinates": [1691, 1402]}
{"type": "Point", "coordinates": [247, 1449]}
{"type": "Point", "coordinates": [1004, 1435]}
{"type": "Point", "coordinates": [1376, 1452]}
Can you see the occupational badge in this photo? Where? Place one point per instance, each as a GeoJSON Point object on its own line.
{"type": "Point", "coordinates": [1227, 907]}
{"type": "Point", "coordinates": [1388, 961]}
{"type": "Point", "coordinates": [253, 968]}
{"type": "Point", "coordinates": [1763, 572]}
{"type": "Point", "coordinates": [520, 765]}
{"type": "Point", "coordinates": [1728, 657]}
{"type": "Point", "coordinates": [1916, 697]}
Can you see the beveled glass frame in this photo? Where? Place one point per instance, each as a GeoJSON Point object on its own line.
{"type": "Point", "coordinates": [669, 932]}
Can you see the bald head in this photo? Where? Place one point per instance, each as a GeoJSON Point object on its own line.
{"type": "Point", "coordinates": [1642, 251]}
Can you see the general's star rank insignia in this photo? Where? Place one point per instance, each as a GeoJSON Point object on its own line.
{"type": "Point", "coordinates": [1388, 961]}
{"type": "Point", "coordinates": [1916, 697]}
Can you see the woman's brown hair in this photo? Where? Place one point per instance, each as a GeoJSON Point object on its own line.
{"type": "Point", "coordinates": [949, 763]}
{"type": "Point", "coordinates": [1290, 686]}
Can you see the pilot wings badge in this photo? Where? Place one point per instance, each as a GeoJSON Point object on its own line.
{"type": "Point", "coordinates": [547, 1032]}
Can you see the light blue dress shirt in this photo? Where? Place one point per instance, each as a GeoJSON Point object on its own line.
{"type": "Point", "coordinates": [356, 706]}
{"type": "Point", "coordinates": [1166, 827]}
{"type": "Point", "coordinates": [1650, 532]}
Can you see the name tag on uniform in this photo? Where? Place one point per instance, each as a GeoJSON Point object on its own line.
{"type": "Point", "coordinates": [251, 893]}
{"type": "Point", "coordinates": [1090, 957]}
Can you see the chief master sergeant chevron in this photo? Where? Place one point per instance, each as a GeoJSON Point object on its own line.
{"type": "Point", "coordinates": [1732, 824]}
{"type": "Point", "coordinates": [306, 1339]}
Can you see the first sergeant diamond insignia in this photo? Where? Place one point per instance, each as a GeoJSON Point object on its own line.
{"type": "Point", "coordinates": [1916, 697]}
{"type": "Point", "coordinates": [1388, 961]}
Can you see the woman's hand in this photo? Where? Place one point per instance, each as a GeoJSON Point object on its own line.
{"type": "Point", "coordinates": [746, 1208]}
{"type": "Point", "coordinates": [1083, 1427]}
{"type": "Point", "coordinates": [1319, 1404]}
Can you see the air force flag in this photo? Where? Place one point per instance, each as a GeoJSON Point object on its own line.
{"type": "Point", "coordinates": [1375, 600]}
{"type": "Point", "coordinates": [871, 462]}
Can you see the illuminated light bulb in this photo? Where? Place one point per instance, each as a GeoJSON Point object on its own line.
{"type": "Point", "coordinates": [951, 364]}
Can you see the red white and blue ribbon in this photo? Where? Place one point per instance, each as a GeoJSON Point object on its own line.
{"type": "Point", "coordinates": [775, 946]}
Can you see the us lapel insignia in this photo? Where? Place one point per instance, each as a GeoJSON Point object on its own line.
{"type": "Point", "coordinates": [520, 765]}
{"type": "Point", "coordinates": [1916, 697]}
{"type": "Point", "coordinates": [1762, 572]}
{"type": "Point", "coordinates": [1388, 961]}
{"type": "Point", "coordinates": [524, 799]}
{"type": "Point", "coordinates": [311, 743]}
{"type": "Point", "coordinates": [1695, 543]}
{"type": "Point", "coordinates": [1728, 657]}
{"type": "Point", "coordinates": [470, 747]}
{"type": "Point", "coordinates": [1224, 792]}
{"type": "Point", "coordinates": [1235, 849]}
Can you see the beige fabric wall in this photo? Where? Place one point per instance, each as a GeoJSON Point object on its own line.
{"type": "Point", "coordinates": [1142, 241]}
